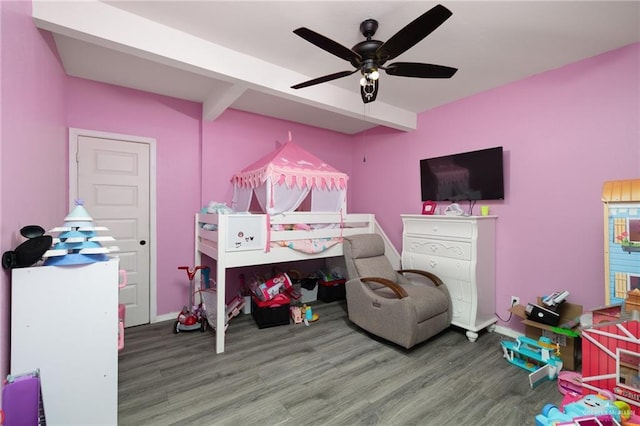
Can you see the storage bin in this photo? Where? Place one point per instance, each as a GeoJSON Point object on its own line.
{"type": "Point", "coordinates": [330, 291]}
{"type": "Point", "coordinates": [306, 286]}
{"type": "Point", "coordinates": [309, 295]}
{"type": "Point", "coordinates": [272, 312]}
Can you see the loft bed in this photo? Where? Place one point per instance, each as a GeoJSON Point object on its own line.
{"type": "Point", "coordinates": [257, 239]}
{"type": "Point", "coordinates": [284, 183]}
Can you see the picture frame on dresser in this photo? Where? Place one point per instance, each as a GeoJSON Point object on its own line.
{"type": "Point", "coordinates": [429, 207]}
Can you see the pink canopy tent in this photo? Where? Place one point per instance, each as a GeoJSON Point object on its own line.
{"type": "Point", "coordinates": [282, 180]}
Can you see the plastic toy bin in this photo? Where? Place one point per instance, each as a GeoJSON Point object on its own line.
{"type": "Point", "coordinates": [270, 313]}
{"type": "Point", "coordinates": [330, 291]}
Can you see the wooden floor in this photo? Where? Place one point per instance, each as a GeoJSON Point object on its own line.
{"type": "Point", "coordinates": [330, 373]}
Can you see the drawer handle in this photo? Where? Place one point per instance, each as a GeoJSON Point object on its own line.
{"type": "Point", "coordinates": [435, 229]}
{"type": "Point", "coordinates": [434, 247]}
{"type": "Point", "coordinates": [433, 263]}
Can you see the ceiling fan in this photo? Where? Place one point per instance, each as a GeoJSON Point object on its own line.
{"type": "Point", "coordinates": [369, 56]}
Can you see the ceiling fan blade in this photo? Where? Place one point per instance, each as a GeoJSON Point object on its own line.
{"type": "Point", "coordinates": [413, 69]}
{"type": "Point", "coordinates": [329, 45]}
{"type": "Point", "coordinates": [323, 79]}
{"type": "Point", "coordinates": [412, 33]}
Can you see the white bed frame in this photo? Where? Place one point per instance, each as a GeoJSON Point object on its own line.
{"type": "Point", "coordinates": [241, 240]}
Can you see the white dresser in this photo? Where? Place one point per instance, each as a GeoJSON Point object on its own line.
{"type": "Point", "coordinates": [461, 251]}
{"type": "Point", "coordinates": [64, 321]}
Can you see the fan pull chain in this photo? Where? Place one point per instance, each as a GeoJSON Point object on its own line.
{"type": "Point", "coordinates": [364, 118]}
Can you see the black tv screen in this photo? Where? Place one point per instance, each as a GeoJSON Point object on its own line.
{"type": "Point", "coordinates": [475, 175]}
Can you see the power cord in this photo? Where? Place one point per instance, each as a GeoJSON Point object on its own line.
{"type": "Point", "coordinates": [510, 314]}
{"type": "Point", "coordinates": [472, 203]}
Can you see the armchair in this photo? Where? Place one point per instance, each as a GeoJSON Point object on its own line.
{"type": "Point", "coordinates": [384, 302]}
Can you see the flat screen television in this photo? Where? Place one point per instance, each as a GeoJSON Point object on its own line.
{"type": "Point", "coordinates": [475, 175]}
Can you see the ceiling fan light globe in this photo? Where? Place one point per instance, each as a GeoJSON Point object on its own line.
{"type": "Point", "coordinates": [363, 81]}
{"type": "Point", "coordinates": [374, 75]}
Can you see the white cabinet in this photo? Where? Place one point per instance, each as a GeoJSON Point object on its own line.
{"type": "Point", "coordinates": [64, 321]}
{"type": "Point", "coordinates": [461, 251]}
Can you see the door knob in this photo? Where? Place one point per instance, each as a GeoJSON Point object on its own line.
{"type": "Point", "coordinates": [142, 242]}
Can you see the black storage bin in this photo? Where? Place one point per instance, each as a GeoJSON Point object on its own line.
{"type": "Point", "coordinates": [330, 291]}
{"type": "Point", "coordinates": [270, 313]}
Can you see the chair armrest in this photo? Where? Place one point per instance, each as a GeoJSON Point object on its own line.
{"type": "Point", "coordinates": [398, 290]}
{"type": "Point", "coordinates": [433, 277]}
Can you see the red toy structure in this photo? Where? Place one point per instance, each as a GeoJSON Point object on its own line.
{"type": "Point", "coordinates": [611, 361]}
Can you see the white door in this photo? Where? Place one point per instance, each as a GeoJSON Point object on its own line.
{"type": "Point", "coordinates": [114, 181]}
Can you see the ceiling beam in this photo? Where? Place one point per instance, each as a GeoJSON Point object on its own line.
{"type": "Point", "coordinates": [215, 103]}
{"type": "Point", "coordinates": [104, 25]}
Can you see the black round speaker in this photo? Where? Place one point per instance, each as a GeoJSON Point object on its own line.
{"type": "Point", "coordinates": [27, 253]}
{"type": "Point", "coordinates": [8, 259]}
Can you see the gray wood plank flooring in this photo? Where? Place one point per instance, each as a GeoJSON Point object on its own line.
{"type": "Point", "coordinates": [330, 373]}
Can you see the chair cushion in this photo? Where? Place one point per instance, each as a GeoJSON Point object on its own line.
{"type": "Point", "coordinates": [427, 300]}
{"type": "Point", "coordinates": [366, 245]}
{"type": "Point", "coordinates": [376, 267]}
{"type": "Point", "coordinates": [367, 256]}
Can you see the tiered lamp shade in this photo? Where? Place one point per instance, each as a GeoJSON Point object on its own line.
{"type": "Point", "coordinates": [78, 242]}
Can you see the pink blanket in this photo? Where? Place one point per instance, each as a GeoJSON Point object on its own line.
{"type": "Point", "coordinates": [315, 245]}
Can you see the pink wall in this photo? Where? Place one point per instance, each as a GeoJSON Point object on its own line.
{"type": "Point", "coordinates": [564, 132]}
{"type": "Point", "coordinates": [32, 145]}
{"type": "Point", "coordinates": [175, 125]}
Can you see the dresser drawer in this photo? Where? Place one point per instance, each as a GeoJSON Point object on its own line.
{"type": "Point", "coordinates": [459, 291]}
{"type": "Point", "coordinates": [454, 274]}
{"type": "Point", "coordinates": [441, 248]}
{"type": "Point", "coordinates": [440, 228]}
{"type": "Point", "coordinates": [443, 267]}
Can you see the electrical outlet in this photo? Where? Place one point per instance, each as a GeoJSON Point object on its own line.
{"type": "Point", "coordinates": [515, 300]}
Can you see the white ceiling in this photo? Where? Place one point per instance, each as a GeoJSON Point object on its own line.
{"type": "Point", "coordinates": [244, 54]}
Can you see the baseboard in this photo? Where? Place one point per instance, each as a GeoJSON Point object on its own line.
{"type": "Point", "coordinates": [505, 331]}
{"type": "Point", "coordinates": [166, 317]}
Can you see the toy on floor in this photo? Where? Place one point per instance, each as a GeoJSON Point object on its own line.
{"type": "Point", "coordinates": [191, 317]}
{"type": "Point", "coordinates": [541, 357]}
{"type": "Point", "coordinates": [308, 314]}
{"type": "Point", "coordinates": [296, 314]}
{"type": "Point", "coordinates": [629, 418]}
{"type": "Point", "coordinates": [235, 306]}
{"type": "Point", "coordinates": [570, 382]}
{"type": "Point", "coordinates": [601, 406]}
{"type": "Point", "coordinates": [569, 385]}
{"type": "Point", "coordinates": [209, 307]}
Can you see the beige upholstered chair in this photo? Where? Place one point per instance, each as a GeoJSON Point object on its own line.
{"type": "Point", "coordinates": [387, 304]}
